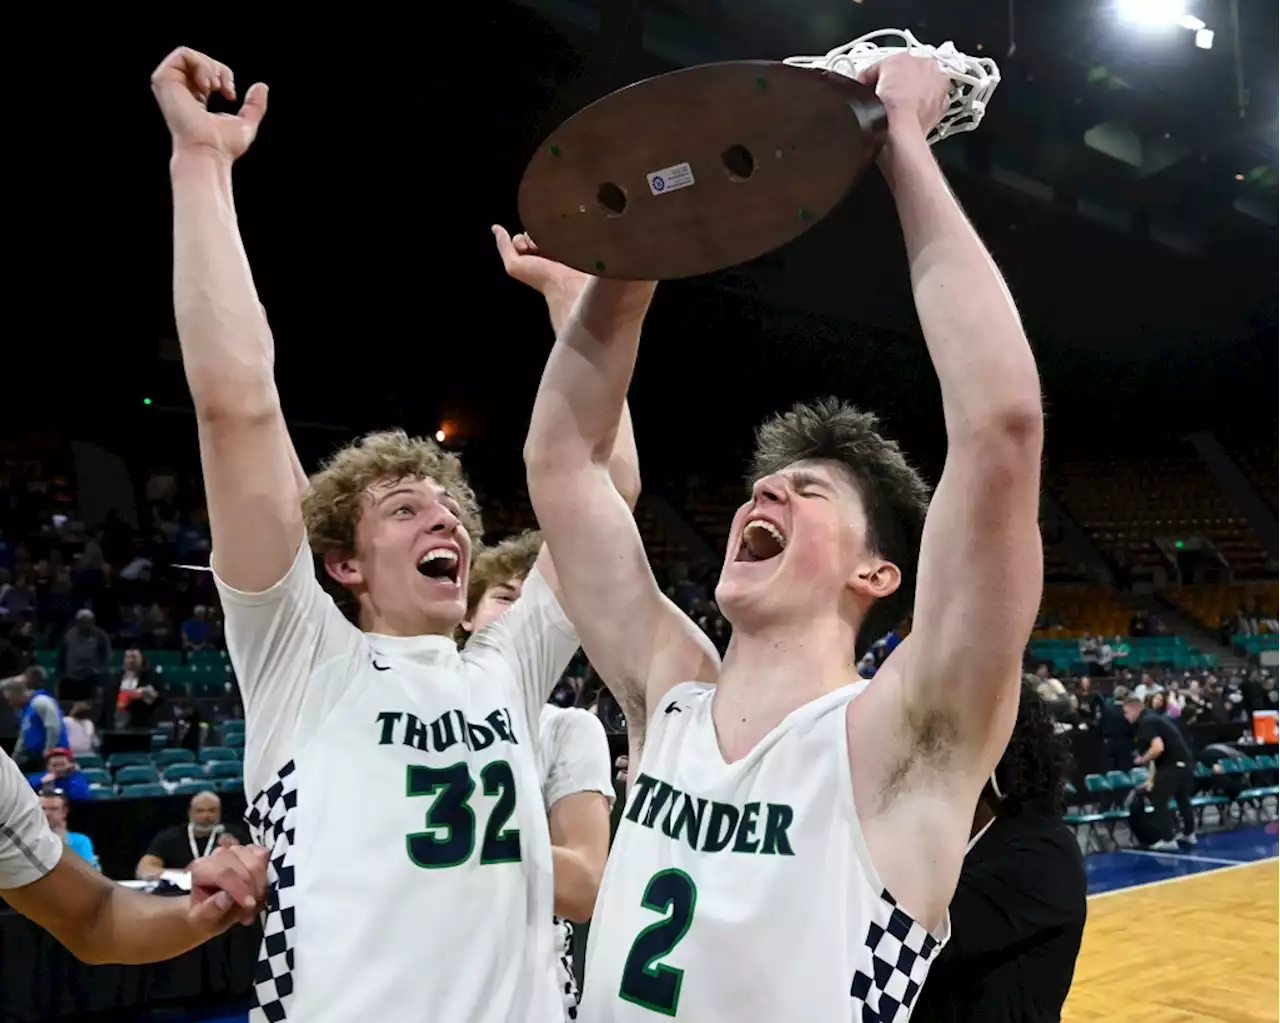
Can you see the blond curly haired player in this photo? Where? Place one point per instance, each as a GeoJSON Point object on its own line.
{"type": "Point", "coordinates": [393, 778]}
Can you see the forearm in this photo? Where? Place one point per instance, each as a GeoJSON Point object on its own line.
{"type": "Point", "coordinates": [624, 461]}
{"type": "Point", "coordinates": [52, 721]}
{"type": "Point", "coordinates": [132, 927]}
{"type": "Point", "coordinates": [226, 342]}
{"type": "Point", "coordinates": [582, 398]}
{"type": "Point", "coordinates": [975, 339]}
{"type": "Point", "coordinates": [576, 884]}
{"type": "Point", "coordinates": [150, 868]}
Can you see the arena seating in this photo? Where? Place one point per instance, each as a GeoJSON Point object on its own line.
{"type": "Point", "coordinates": [1208, 604]}
{"type": "Point", "coordinates": [1124, 501]}
{"type": "Point", "coordinates": [1153, 651]}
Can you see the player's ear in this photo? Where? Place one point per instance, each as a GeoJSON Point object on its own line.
{"type": "Point", "coordinates": [876, 578]}
{"type": "Point", "coordinates": [343, 568]}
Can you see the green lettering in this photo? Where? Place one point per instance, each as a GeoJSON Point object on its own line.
{"type": "Point", "coordinates": [690, 820]}
{"type": "Point", "coordinates": [388, 718]}
{"type": "Point", "coordinates": [498, 722]}
{"type": "Point", "coordinates": [671, 812]}
{"type": "Point", "coordinates": [442, 734]}
{"type": "Point", "coordinates": [776, 823]}
{"type": "Point", "coordinates": [720, 828]}
{"type": "Point", "coordinates": [656, 804]}
{"type": "Point", "coordinates": [746, 840]}
{"type": "Point", "coordinates": [639, 793]}
{"type": "Point", "coordinates": [415, 733]}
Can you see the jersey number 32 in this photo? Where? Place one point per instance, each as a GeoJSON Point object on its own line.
{"type": "Point", "coordinates": [450, 837]}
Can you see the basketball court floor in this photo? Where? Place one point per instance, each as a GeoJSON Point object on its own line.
{"type": "Point", "coordinates": [1187, 937]}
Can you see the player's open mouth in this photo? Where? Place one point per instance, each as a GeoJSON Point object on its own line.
{"type": "Point", "coordinates": [440, 563]}
{"type": "Point", "coordinates": [761, 541]}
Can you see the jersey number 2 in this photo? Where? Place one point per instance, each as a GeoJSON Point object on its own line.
{"type": "Point", "coordinates": [451, 823]}
{"type": "Point", "coordinates": [644, 981]}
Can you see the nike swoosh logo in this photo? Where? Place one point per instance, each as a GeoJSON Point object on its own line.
{"type": "Point", "coordinates": [381, 667]}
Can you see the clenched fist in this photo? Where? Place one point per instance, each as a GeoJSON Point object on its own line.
{"type": "Point", "coordinates": [913, 88]}
{"type": "Point", "coordinates": [183, 83]}
{"type": "Point", "coordinates": [228, 887]}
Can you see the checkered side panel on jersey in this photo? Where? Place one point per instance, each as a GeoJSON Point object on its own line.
{"type": "Point", "coordinates": [568, 983]}
{"type": "Point", "coordinates": [898, 956]}
{"type": "Point", "coordinates": [271, 822]}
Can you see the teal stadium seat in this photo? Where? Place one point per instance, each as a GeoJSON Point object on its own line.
{"type": "Point", "coordinates": [173, 756]}
{"type": "Point", "coordinates": [210, 754]}
{"type": "Point", "coordinates": [143, 790]}
{"type": "Point", "coordinates": [181, 772]}
{"type": "Point", "coordinates": [137, 774]}
{"type": "Point", "coordinates": [118, 760]}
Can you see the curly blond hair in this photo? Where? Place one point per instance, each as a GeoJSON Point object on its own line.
{"type": "Point", "coordinates": [511, 559]}
{"type": "Point", "coordinates": [332, 505]}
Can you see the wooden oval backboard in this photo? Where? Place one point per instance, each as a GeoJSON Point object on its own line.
{"type": "Point", "coordinates": [699, 169]}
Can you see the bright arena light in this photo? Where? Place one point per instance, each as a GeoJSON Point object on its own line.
{"type": "Point", "coordinates": [1155, 13]}
{"type": "Point", "coordinates": [440, 436]}
{"type": "Point", "coordinates": [1204, 38]}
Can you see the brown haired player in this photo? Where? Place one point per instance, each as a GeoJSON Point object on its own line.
{"type": "Point", "coordinates": [393, 777]}
{"type": "Point", "coordinates": [793, 836]}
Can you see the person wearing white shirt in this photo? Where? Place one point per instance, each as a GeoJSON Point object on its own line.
{"type": "Point", "coordinates": [577, 783]}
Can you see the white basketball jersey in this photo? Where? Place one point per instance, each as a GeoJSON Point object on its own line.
{"type": "Point", "coordinates": [744, 891]}
{"type": "Point", "coordinates": [575, 758]}
{"type": "Point", "coordinates": [396, 783]}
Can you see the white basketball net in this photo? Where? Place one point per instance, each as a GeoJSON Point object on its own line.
{"type": "Point", "coordinates": [973, 79]}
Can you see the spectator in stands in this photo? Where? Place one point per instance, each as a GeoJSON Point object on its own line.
{"type": "Point", "coordinates": [56, 603]}
{"type": "Point", "coordinates": [1160, 744]}
{"type": "Point", "coordinates": [133, 699]}
{"type": "Point", "coordinates": [191, 731]}
{"type": "Point", "coordinates": [61, 772]}
{"type": "Point", "coordinates": [40, 727]}
{"type": "Point", "coordinates": [83, 658]}
{"type": "Point", "coordinates": [1138, 625]}
{"type": "Point", "coordinates": [1106, 657]}
{"type": "Point", "coordinates": [174, 848]}
{"type": "Point", "coordinates": [1089, 653]}
{"type": "Point", "coordinates": [13, 659]}
{"type": "Point", "coordinates": [1088, 701]}
{"type": "Point", "coordinates": [82, 737]}
{"type": "Point", "coordinates": [17, 598]}
{"type": "Point", "coordinates": [1116, 732]}
{"type": "Point", "coordinates": [157, 628]}
{"type": "Point", "coordinates": [57, 808]}
{"type": "Point", "coordinates": [196, 633]}
{"type": "Point", "coordinates": [1018, 913]}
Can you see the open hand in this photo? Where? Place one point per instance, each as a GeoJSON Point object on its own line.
{"type": "Point", "coordinates": [228, 887]}
{"type": "Point", "coordinates": [521, 260]}
{"type": "Point", "coordinates": [182, 85]}
{"type": "Point", "coordinates": [915, 90]}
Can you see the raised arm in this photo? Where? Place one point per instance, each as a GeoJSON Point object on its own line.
{"type": "Point", "coordinates": [980, 568]}
{"type": "Point", "coordinates": [638, 641]}
{"type": "Point", "coordinates": [227, 350]}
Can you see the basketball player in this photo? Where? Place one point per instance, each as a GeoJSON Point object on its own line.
{"type": "Point", "coordinates": [393, 778]}
{"type": "Point", "coordinates": [98, 920]}
{"type": "Point", "coordinates": [1018, 913]}
{"type": "Point", "coordinates": [576, 784]}
{"type": "Point", "coordinates": [793, 835]}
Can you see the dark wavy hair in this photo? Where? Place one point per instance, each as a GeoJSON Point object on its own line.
{"type": "Point", "coordinates": [1036, 765]}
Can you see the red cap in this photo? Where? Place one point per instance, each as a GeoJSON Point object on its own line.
{"type": "Point", "coordinates": [60, 751]}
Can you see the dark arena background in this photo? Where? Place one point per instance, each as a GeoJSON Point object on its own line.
{"type": "Point", "coordinates": [1125, 180]}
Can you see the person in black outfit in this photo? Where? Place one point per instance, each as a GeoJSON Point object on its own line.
{"type": "Point", "coordinates": [1116, 732]}
{"type": "Point", "coordinates": [1018, 913]}
{"type": "Point", "coordinates": [1160, 744]}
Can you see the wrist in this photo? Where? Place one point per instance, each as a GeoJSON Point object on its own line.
{"type": "Point", "coordinates": [198, 160]}
{"type": "Point", "coordinates": [904, 143]}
